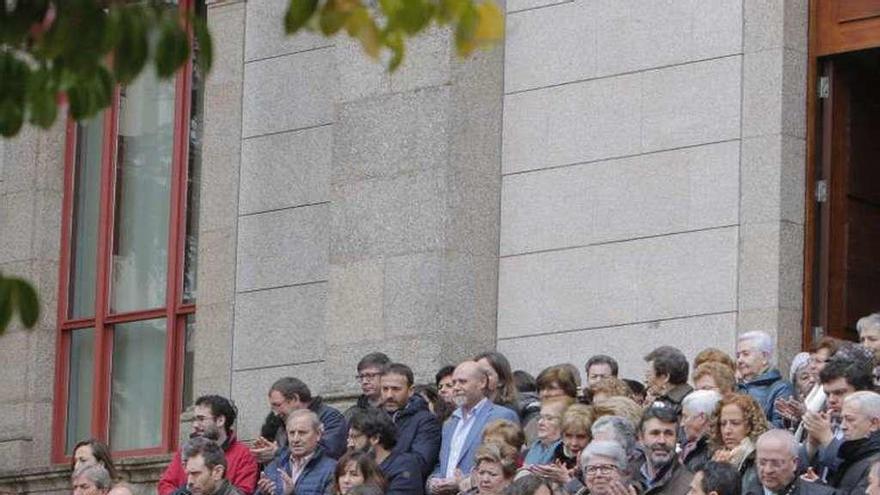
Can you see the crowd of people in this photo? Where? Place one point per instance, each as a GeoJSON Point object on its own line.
{"type": "Point", "coordinates": [722, 425]}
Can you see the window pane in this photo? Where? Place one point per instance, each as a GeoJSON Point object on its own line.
{"type": "Point", "coordinates": [79, 390]}
{"type": "Point", "coordinates": [84, 228]}
{"type": "Point", "coordinates": [190, 282]}
{"type": "Point", "coordinates": [189, 354]}
{"type": "Point", "coordinates": [143, 185]}
{"type": "Point", "coordinates": [137, 384]}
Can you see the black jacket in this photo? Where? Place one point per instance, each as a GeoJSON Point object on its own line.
{"type": "Point", "coordinates": [401, 469]}
{"type": "Point", "coordinates": [695, 459]}
{"type": "Point", "coordinates": [857, 456]}
{"type": "Point", "coordinates": [798, 487]}
{"type": "Point", "coordinates": [419, 433]}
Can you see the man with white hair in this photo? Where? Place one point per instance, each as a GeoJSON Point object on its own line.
{"type": "Point", "coordinates": [757, 376]}
{"type": "Point", "coordinates": [860, 422]}
{"type": "Point", "coordinates": [696, 422]}
{"type": "Point", "coordinates": [302, 467]}
{"type": "Point", "coordinates": [91, 479]}
{"type": "Point", "coordinates": [777, 464]}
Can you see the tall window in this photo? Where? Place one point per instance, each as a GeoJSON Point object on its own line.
{"type": "Point", "coordinates": [127, 290]}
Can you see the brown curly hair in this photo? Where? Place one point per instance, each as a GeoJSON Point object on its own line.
{"type": "Point", "coordinates": [755, 420]}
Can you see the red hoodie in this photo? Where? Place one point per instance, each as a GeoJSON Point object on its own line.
{"type": "Point", "coordinates": [241, 469]}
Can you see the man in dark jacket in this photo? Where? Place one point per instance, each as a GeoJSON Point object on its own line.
{"type": "Point", "coordinates": [777, 462]}
{"type": "Point", "coordinates": [666, 377]}
{"type": "Point", "coordinates": [205, 466]}
{"type": "Point", "coordinates": [290, 394]}
{"type": "Point", "coordinates": [662, 473]}
{"type": "Point", "coordinates": [418, 430]}
{"type": "Point", "coordinates": [758, 378]}
{"type": "Point", "coordinates": [840, 378]}
{"type": "Point", "coordinates": [696, 422]}
{"type": "Point", "coordinates": [372, 431]}
{"type": "Point", "coordinates": [369, 372]}
{"type": "Point", "coordinates": [861, 447]}
{"type": "Point", "coordinates": [302, 468]}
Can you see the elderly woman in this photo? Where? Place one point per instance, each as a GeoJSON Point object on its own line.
{"type": "Point", "coordinates": [739, 421]}
{"type": "Point", "coordinates": [541, 451]}
{"type": "Point", "coordinates": [576, 435]}
{"type": "Point", "coordinates": [715, 376]}
{"type": "Point", "coordinates": [605, 469]}
{"type": "Point", "coordinates": [494, 469]}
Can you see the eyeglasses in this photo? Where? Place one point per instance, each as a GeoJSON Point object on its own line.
{"type": "Point", "coordinates": [363, 377]}
{"type": "Point", "coordinates": [600, 469]}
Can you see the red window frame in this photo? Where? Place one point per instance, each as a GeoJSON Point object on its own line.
{"type": "Point", "coordinates": [175, 311]}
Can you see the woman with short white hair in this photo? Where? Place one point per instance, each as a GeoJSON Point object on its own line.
{"type": "Point", "coordinates": [605, 469]}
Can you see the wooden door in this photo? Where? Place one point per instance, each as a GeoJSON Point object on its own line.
{"type": "Point", "coordinates": [847, 265]}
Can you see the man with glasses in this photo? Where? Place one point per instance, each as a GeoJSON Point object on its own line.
{"type": "Point", "coordinates": [369, 374]}
{"type": "Point", "coordinates": [777, 463]}
{"type": "Point", "coordinates": [213, 418]}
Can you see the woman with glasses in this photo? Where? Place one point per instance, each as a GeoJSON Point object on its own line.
{"type": "Point", "coordinates": [604, 466]}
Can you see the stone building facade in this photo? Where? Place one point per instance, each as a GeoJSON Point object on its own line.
{"type": "Point", "coordinates": [616, 175]}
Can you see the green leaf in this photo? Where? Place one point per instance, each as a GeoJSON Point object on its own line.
{"type": "Point", "coordinates": [332, 18]}
{"type": "Point", "coordinates": [298, 14]}
{"type": "Point", "coordinates": [14, 78]}
{"type": "Point", "coordinates": [414, 15]}
{"type": "Point", "coordinates": [131, 44]}
{"type": "Point", "coordinates": [27, 302]}
{"type": "Point", "coordinates": [41, 97]}
{"type": "Point", "coordinates": [394, 41]}
{"type": "Point", "coordinates": [172, 50]}
{"type": "Point", "coordinates": [466, 30]}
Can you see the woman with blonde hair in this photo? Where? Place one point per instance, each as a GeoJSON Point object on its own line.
{"type": "Point", "coordinates": [494, 468]}
{"type": "Point", "coordinates": [619, 406]}
{"type": "Point", "coordinates": [715, 376]}
{"type": "Point", "coordinates": [739, 421]}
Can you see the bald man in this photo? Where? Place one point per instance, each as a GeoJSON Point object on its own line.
{"type": "Point", "coordinates": [777, 464]}
{"type": "Point", "coordinates": [463, 431]}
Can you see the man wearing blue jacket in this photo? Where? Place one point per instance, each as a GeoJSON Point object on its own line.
{"type": "Point", "coordinates": [463, 431]}
{"type": "Point", "coordinates": [301, 468]}
{"type": "Point", "coordinates": [372, 431]}
{"type": "Point", "coordinates": [418, 430]}
{"type": "Point", "coordinates": [758, 378]}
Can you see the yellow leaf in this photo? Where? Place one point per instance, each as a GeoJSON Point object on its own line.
{"type": "Point", "coordinates": [362, 27]}
{"type": "Point", "coordinates": [490, 23]}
